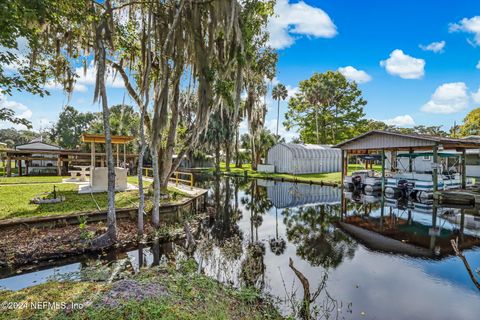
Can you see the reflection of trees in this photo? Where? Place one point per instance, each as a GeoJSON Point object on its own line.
{"type": "Point", "coordinates": [256, 201]}
{"type": "Point", "coordinates": [277, 244]}
{"type": "Point", "coordinates": [253, 267]}
{"type": "Point", "coordinates": [227, 213]}
{"type": "Point", "coordinates": [316, 240]}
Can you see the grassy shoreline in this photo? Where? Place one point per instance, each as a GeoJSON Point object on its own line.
{"type": "Point", "coordinates": [168, 292]}
{"type": "Point", "coordinates": [327, 178]}
{"type": "Point", "coordinates": [16, 193]}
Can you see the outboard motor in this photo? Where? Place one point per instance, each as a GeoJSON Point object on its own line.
{"type": "Point", "coordinates": [357, 182]}
{"type": "Point", "coordinates": [405, 187]}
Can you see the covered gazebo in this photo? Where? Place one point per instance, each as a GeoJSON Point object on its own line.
{"type": "Point", "coordinates": [99, 175]}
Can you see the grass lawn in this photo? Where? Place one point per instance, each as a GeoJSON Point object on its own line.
{"type": "Point", "coordinates": [167, 293]}
{"type": "Point", "coordinates": [331, 177]}
{"type": "Point", "coordinates": [31, 179]}
{"type": "Point", "coordinates": [134, 180]}
{"type": "Point", "coordinates": [15, 200]}
{"type": "Point", "coordinates": [16, 193]}
{"type": "Point", "coordinates": [3, 170]}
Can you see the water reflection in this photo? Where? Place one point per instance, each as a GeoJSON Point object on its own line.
{"type": "Point", "coordinates": [315, 237]}
{"type": "Point", "coordinates": [361, 258]}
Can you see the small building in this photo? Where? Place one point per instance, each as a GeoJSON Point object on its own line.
{"type": "Point", "coordinates": [41, 163]}
{"type": "Point", "coordinates": [294, 158]}
{"type": "Point", "coordinates": [393, 143]}
{"type": "Point", "coordinates": [423, 162]}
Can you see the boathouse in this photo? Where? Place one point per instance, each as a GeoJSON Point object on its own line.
{"type": "Point", "coordinates": [391, 143]}
{"type": "Point", "coordinates": [294, 158]}
{"type": "Point", "coordinates": [422, 162]}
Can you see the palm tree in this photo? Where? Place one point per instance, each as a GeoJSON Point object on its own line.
{"type": "Point", "coordinates": [279, 92]}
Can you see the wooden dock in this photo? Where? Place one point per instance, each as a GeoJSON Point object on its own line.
{"type": "Point", "coordinates": [468, 199]}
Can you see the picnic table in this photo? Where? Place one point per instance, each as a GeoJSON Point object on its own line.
{"type": "Point", "coordinates": [83, 172]}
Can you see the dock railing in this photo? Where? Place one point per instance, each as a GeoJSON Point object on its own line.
{"type": "Point", "coordinates": [177, 177]}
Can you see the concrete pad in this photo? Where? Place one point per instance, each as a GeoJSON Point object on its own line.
{"type": "Point", "coordinates": [84, 188]}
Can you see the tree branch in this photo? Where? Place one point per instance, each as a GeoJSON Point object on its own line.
{"type": "Point", "coordinates": [459, 254]}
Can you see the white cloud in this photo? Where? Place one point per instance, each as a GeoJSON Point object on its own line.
{"type": "Point", "coordinates": [478, 65]}
{"type": "Point", "coordinates": [447, 99]}
{"type": "Point", "coordinates": [358, 76]}
{"type": "Point", "coordinates": [282, 132]}
{"type": "Point", "coordinates": [52, 85]}
{"type": "Point", "coordinates": [21, 111]}
{"type": "Point", "coordinates": [403, 65]}
{"type": "Point", "coordinates": [292, 91]}
{"type": "Point", "coordinates": [401, 121]}
{"type": "Point", "coordinates": [436, 47]}
{"type": "Point", "coordinates": [476, 96]}
{"type": "Point", "coordinates": [298, 19]}
{"type": "Point", "coordinates": [88, 78]}
{"type": "Point", "coordinates": [471, 25]}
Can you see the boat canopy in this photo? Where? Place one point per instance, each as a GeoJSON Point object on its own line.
{"type": "Point", "coordinates": [426, 154]}
{"type": "Point", "coordinates": [370, 157]}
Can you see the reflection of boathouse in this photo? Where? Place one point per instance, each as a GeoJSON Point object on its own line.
{"type": "Point", "coordinates": [287, 195]}
{"type": "Point", "coordinates": [403, 234]}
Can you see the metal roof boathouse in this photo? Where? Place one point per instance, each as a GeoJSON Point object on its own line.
{"type": "Point", "coordinates": [384, 141]}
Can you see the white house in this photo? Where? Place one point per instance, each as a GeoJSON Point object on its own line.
{"type": "Point", "coordinates": [304, 158]}
{"type": "Point", "coordinates": [37, 167]}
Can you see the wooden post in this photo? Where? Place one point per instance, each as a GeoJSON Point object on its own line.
{"type": "Point", "coordinates": [435, 168]}
{"type": "Point", "coordinates": [410, 160]}
{"type": "Point", "coordinates": [19, 165]}
{"type": "Point", "coordinates": [382, 198]}
{"type": "Point", "coordinates": [393, 160]}
{"type": "Point", "coordinates": [92, 154]}
{"type": "Point", "coordinates": [343, 166]}
{"type": "Point", "coordinates": [124, 155]}
{"type": "Point", "coordinates": [26, 167]}
{"type": "Point", "coordinates": [59, 166]}
{"type": "Point", "coordinates": [462, 223]}
{"type": "Point", "coordinates": [464, 168]}
{"type": "Point", "coordinates": [118, 155]}
{"type": "Point", "coordinates": [9, 166]}
{"type": "Point", "coordinates": [434, 227]}
{"type": "Point", "coordinates": [383, 171]}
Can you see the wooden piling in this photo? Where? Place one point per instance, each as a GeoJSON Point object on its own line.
{"type": "Point", "coordinates": [435, 168]}
{"type": "Point", "coordinates": [464, 168]}
{"type": "Point", "coordinates": [9, 166]}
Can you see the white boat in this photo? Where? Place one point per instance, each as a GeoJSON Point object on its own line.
{"type": "Point", "coordinates": [366, 180]}
{"type": "Point", "coordinates": [421, 184]}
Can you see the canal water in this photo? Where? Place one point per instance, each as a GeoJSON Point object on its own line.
{"type": "Point", "coordinates": [362, 260]}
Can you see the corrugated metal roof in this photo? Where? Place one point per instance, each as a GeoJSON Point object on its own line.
{"type": "Point", "coordinates": [289, 195]}
{"type": "Point", "coordinates": [404, 140]}
{"type": "Point", "coordinates": [308, 150]}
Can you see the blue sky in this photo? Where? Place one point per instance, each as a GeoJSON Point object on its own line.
{"type": "Point", "coordinates": [436, 84]}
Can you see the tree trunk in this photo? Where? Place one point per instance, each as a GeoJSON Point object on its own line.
{"type": "Point", "coordinates": [167, 154]}
{"type": "Point", "coordinates": [254, 153]}
{"type": "Point", "coordinates": [156, 187]}
{"type": "Point", "coordinates": [217, 158]}
{"type": "Point", "coordinates": [110, 236]}
{"type": "Point", "coordinates": [141, 193]}
{"type": "Point", "coordinates": [228, 155]}
{"type": "Point", "coordinates": [278, 117]}
{"type": "Point", "coordinates": [238, 163]}
{"type": "Point", "coordinates": [316, 123]}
